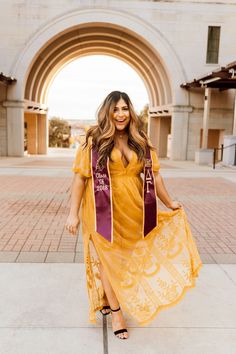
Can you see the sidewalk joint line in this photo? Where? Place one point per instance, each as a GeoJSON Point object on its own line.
{"type": "Point", "coordinates": [105, 337]}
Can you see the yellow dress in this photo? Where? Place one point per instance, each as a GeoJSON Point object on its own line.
{"type": "Point", "coordinates": [148, 274]}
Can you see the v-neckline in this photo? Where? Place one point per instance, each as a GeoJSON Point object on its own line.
{"type": "Point", "coordinates": [121, 158]}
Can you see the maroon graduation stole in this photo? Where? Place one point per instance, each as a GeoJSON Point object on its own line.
{"type": "Point", "coordinates": [150, 219]}
{"type": "Point", "coordinates": [103, 197]}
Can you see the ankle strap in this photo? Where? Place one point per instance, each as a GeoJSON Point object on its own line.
{"type": "Point", "coordinates": [115, 309]}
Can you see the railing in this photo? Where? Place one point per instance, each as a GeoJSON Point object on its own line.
{"type": "Point", "coordinates": [222, 152]}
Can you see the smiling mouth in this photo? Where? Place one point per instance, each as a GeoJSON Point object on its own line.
{"type": "Point", "coordinates": [120, 121]}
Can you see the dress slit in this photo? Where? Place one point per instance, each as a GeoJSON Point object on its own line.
{"type": "Point", "coordinates": [94, 283]}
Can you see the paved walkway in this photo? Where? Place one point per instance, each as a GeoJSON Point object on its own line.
{"type": "Point", "coordinates": [43, 296]}
{"type": "Point", "coordinates": [34, 195]}
{"type": "Point", "coordinates": [44, 310]}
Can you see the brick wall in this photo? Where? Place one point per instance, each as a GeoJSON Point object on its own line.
{"type": "Point", "coordinates": [3, 120]}
{"type": "Point", "coordinates": [3, 131]}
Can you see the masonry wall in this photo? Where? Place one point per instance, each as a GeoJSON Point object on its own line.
{"type": "Point", "coordinates": [221, 117]}
{"type": "Point", "coordinates": [183, 24]}
{"type": "Point", "coordinates": [3, 121]}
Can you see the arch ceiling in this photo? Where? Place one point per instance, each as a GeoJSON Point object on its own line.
{"type": "Point", "coordinates": [98, 38]}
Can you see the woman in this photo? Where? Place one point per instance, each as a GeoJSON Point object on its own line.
{"type": "Point", "coordinates": [136, 257]}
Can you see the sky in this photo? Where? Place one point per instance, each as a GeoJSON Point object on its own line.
{"type": "Point", "coordinates": [81, 86]}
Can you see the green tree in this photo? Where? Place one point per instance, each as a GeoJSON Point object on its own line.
{"type": "Point", "coordinates": [143, 115]}
{"type": "Point", "coordinates": [59, 132]}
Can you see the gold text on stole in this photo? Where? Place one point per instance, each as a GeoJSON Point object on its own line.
{"type": "Point", "coordinates": [102, 185]}
{"type": "Point", "coordinates": [148, 177]}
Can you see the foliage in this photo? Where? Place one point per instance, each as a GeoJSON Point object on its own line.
{"type": "Point", "coordinates": [59, 132]}
{"type": "Point", "coordinates": [144, 116]}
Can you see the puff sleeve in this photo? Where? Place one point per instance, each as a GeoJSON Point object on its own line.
{"type": "Point", "coordinates": [82, 162]}
{"type": "Point", "coordinates": [155, 161]}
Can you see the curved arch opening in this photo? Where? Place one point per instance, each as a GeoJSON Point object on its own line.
{"type": "Point", "coordinates": [99, 39]}
{"type": "Point", "coordinates": [104, 39]}
{"type": "Point", "coordinates": [78, 88]}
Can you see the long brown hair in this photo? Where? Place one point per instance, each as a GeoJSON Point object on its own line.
{"type": "Point", "coordinates": [103, 133]}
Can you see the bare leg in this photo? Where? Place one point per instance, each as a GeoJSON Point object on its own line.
{"type": "Point", "coordinates": [118, 321]}
{"type": "Point", "coordinates": [103, 310]}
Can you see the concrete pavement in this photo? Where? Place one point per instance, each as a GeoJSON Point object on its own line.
{"type": "Point", "coordinates": [44, 310]}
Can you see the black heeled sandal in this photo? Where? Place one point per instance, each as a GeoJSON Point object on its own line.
{"type": "Point", "coordinates": [123, 330]}
{"type": "Point", "coordinates": [105, 308]}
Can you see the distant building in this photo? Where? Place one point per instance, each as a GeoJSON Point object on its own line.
{"type": "Point", "coordinates": [79, 129]}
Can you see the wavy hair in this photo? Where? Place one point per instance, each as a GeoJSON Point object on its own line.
{"type": "Point", "coordinates": [103, 133]}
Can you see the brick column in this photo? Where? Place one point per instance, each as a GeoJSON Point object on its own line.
{"type": "Point", "coordinates": [154, 130]}
{"type": "Point", "coordinates": [15, 127]}
{"type": "Point", "coordinates": [179, 132]}
{"type": "Point", "coordinates": [32, 133]}
{"type": "Point", "coordinates": [42, 134]}
{"type": "Point", "coordinates": [207, 104]}
{"type": "Point", "coordinates": [234, 125]}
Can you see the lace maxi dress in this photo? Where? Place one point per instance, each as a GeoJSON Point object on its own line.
{"type": "Point", "coordinates": [148, 274]}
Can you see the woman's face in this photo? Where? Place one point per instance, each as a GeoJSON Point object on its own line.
{"type": "Point", "coordinates": [121, 115]}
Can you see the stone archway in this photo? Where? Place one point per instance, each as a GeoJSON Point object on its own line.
{"type": "Point", "coordinates": [96, 38]}
{"type": "Point", "coordinates": [87, 32]}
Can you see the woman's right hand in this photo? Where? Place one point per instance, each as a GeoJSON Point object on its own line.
{"type": "Point", "coordinates": [72, 224]}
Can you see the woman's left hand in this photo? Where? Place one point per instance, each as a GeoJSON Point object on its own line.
{"type": "Point", "coordinates": [175, 205]}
